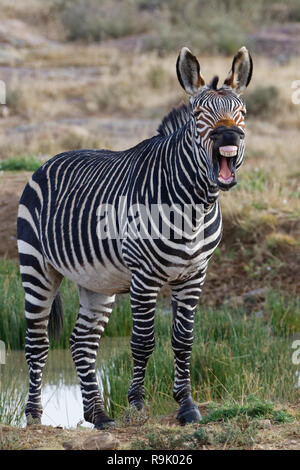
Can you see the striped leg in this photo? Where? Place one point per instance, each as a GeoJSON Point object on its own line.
{"type": "Point", "coordinates": [143, 301]}
{"type": "Point", "coordinates": [93, 316]}
{"type": "Point", "coordinates": [184, 302]}
{"type": "Point", "coordinates": [40, 290]}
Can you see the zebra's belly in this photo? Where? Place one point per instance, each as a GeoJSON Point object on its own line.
{"type": "Point", "coordinates": [107, 279]}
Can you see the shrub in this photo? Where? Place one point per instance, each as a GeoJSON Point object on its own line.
{"type": "Point", "coordinates": [14, 99]}
{"type": "Point", "coordinates": [93, 21]}
{"type": "Point", "coordinates": [263, 101]}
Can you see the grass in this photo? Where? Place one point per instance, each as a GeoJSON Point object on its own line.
{"type": "Point", "coordinates": [234, 356]}
{"type": "Point", "coordinates": [236, 426]}
{"type": "Point", "coordinates": [12, 318]}
{"type": "Point", "coordinates": [93, 21]}
{"type": "Point", "coordinates": [29, 163]}
{"type": "Point", "coordinates": [251, 408]}
{"type": "Point", "coordinates": [12, 402]}
{"type": "Point", "coordinates": [224, 340]}
{"type": "Point", "coordinates": [263, 101]}
{"type": "Point", "coordinates": [235, 434]}
{"type": "Point", "coordinates": [238, 360]}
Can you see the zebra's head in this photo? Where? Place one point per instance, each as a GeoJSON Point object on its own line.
{"type": "Point", "coordinates": [218, 116]}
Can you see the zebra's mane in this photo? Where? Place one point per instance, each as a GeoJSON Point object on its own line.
{"type": "Point", "coordinates": [176, 118]}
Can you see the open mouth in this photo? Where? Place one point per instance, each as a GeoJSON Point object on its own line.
{"type": "Point", "coordinates": [224, 166]}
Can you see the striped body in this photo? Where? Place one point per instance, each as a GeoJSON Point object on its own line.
{"type": "Point", "coordinates": [68, 191]}
{"type": "Point", "coordinates": [167, 178]}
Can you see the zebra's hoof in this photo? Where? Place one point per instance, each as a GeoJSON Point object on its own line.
{"type": "Point", "coordinates": [30, 420]}
{"type": "Point", "coordinates": [188, 413]}
{"type": "Point", "coordinates": [101, 425]}
{"type": "Point", "coordinates": [138, 404]}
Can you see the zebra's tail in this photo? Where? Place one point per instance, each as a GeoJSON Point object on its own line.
{"type": "Point", "coordinates": [56, 319]}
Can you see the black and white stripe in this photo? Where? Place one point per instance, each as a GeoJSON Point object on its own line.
{"type": "Point", "coordinates": [58, 237]}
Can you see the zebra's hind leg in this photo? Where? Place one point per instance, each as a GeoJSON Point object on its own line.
{"type": "Point", "coordinates": [93, 316]}
{"type": "Point", "coordinates": [40, 287]}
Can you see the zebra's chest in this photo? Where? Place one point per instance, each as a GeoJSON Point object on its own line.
{"type": "Point", "coordinates": [190, 260]}
{"type": "Point", "coordinates": [177, 257]}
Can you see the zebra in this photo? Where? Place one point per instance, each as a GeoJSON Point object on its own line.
{"type": "Point", "coordinates": [196, 153]}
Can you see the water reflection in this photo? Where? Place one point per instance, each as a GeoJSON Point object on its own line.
{"type": "Point", "coordinates": [61, 396]}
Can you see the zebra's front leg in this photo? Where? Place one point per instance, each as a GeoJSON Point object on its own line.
{"type": "Point", "coordinates": [184, 303]}
{"type": "Point", "coordinates": [143, 301]}
{"type": "Point", "coordinates": [93, 316]}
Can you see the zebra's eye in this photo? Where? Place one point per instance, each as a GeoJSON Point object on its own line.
{"type": "Point", "coordinates": [198, 111]}
{"type": "Point", "coordinates": [243, 112]}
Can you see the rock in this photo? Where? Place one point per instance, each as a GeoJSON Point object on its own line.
{"type": "Point", "coordinates": [98, 441]}
{"type": "Point", "coordinates": [19, 34]}
{"type": "Point", "coordinates": [4, 428]}
{"type": "Point", "coordinates": [255, 295]}
{"type": "Point", "coordinates": [265, 424]}
{"type": "Point", "coordinates": [79, 132]}
{"type": "Point", "coordinates": [235, 301]}
{"type": "Point", "coordinates": [259, 314]}
{"type": "Point", "coordinates": [280, 40]}
{"type": "Point", "coordinates": [10, 57]}
{"type": "Point", "coordinates": [4, 110]}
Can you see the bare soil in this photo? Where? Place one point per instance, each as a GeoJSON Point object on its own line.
{"type": "Point", "coordinates": [11, 188]}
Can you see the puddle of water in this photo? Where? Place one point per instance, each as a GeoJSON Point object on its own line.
{"type": "Point", "coordinates": [61, 396]}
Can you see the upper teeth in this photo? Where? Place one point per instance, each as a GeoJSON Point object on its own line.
{"type": "Point", "coordinates": [228, 152]}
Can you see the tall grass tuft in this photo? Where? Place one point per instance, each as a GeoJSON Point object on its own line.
{"type": "Point", "coordinates": [234, 356]}
{"type": "Point", "coordinates": [12, 402]}
{"type": "Point", "coordinates": [12, 317]}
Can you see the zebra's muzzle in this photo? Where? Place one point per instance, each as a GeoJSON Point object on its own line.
{"type": "Point", "coordinates": [225, 171]}
{"type": "Point", "coordinates": [226, 144]}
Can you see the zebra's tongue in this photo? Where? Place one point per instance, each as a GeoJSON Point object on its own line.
{"type": "Point", "coordinates": [224, 171]}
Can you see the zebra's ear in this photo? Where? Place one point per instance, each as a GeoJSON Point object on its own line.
{"type": "Point", "coordinates": [241, 71]}
{"type": "Point", "coordinates": [188, 72]}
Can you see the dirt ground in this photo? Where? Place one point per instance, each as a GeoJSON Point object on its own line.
{"type": "Point", "coordinates": [11, 187]}
{"type": "Point", "coordinates": [165, 430]}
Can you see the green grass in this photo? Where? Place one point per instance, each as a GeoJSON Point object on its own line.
{"type": "Point", "coordinates": [12, 401]}
{"type": "Point", "coordinates": [237, 426]}
{"type": "Point", "coordinates": [235, 355]}
{"type": "Point", "coordinates": [284, 314]}
{"type": "Point", "coordinates": [251, 408]}
{"type": "Point", "coordinates": [29, 163]}
{"type": "Point", "coordinates": [254, 181]}
{"type": "Point", "coordinates": [12, 318]}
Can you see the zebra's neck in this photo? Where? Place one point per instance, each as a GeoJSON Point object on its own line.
{"type": "Point", "coordinates": [186, 169]}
